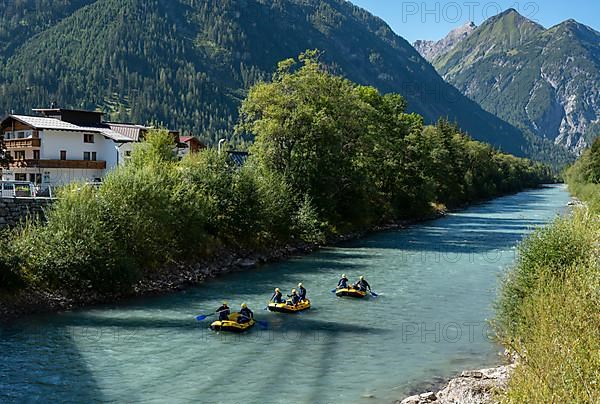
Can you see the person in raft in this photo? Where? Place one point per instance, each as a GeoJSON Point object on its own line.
{"type": "Point", "coordinates": [362, 284]}
{"type": "Point", "coordinates": [224, 312]}
{"type": "Point", "coordinates": [294, 298]}
{"type": "Point", "coordinates": [343, 283]}
{"type": "Point", "coordinates": [301, 292]}
{"type": "Point", "coordinates": [245, 314]}
{"type": "Point", "coordinates": [277, 296]}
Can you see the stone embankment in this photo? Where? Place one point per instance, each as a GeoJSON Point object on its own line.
{"type": "Point", "coordinates": [471, 387]}
{"type": "Point", "coordinates": [15, 210]}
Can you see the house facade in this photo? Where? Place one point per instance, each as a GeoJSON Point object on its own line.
{"type": "Point", "coordinates": [189, 144]}
{"type": "Point", "coordinates": [59, 146]}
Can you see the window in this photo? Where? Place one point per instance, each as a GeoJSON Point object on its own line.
{"type": "Point", "coordinates": [20, 177]}
{"type": "Point", "coordinates": [20, 155]}
{"type": "Point", "coordinates": [63, 154]}
{"type": "Point", "coordinates": [89, 156]}
{"type": "Point", "coordinates": [21, 135]}
{"type": "Point", "coordinates": [7, 153]}
{"type": "Point", "coordinates": [128, 153]}
{"type": "Point", "coordinates": [93, 156]}
{"type": "Point", "coordinates": [36, 154]}
{"type": "Point", "coordinates": [35, 178]}
{"type": "Point", "coordinates": [88, 138]}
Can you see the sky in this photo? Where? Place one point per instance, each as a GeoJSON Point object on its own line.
{"type": "Point", "coordinates": [420, 19]}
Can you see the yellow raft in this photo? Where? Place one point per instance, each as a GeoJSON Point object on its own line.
{"type": "Point", "coordinates": [351, 292]}
{"type": "Point", "coordinates": [289, 308]}
{"type": "Point", "coordinates": [231, 324]}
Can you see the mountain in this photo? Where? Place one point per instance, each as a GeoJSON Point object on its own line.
{"type": "Point", "coordinates": [544, 81]}
{"type": "Point", "coordinates": [23, 19]}
{"type": "Point", "coordinates": [430, 50]}
{"type": "Point", "coordinates": [188, 63]}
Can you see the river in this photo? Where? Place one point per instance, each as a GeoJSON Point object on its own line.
{"type": "Point", "coordinates": [437, 282]}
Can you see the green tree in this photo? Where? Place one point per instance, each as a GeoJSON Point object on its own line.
{"type": "Point", "coordinates": [308, 124]}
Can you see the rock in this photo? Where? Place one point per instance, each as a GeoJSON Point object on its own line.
{"type": "Point", "coordinates": [472, 373]}
{"type": "Point", "coordinates": [420, 398]}
{"type": "Point", "coordinates": [416, 399]}
{"type": "Point", "coordinates": [472, 387]}
{"type": "Point", "coordinates": [245, 263]}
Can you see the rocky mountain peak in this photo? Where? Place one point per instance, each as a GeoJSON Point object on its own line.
{"type": "Point", "coordinates": [544, 81]}
{"type": "Point", "coordinates": [431, 49]}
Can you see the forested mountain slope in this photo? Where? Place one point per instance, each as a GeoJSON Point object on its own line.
{"type": "Point", "coordinates": [188, 63]}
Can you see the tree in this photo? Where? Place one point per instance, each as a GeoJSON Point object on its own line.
{"type": "Point", "coordinates": [308, 125]}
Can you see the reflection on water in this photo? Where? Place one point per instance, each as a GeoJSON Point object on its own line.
{"type": "Point", "coordinates": [436, 281]}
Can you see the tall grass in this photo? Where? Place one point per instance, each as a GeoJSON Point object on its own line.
{"type": "Point", "coordinates": [549, 314]}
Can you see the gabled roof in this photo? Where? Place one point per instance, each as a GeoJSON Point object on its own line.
{"type": "Point", "coordinates": [133, 132]}
{"type": "Point", "coordinates": [41, 123]}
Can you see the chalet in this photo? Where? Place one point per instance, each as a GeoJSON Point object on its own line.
{"type": "Point", "coordinates": [59, 146]}
{"type": "Point", "coordinates": [192, 144]}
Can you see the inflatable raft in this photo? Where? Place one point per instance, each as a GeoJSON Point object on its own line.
{"type": "Point", "coordinates": [351, 292]}
{"type": "Point", "coordinates": [231, 325]}
{"type": "Point", "coordinates": [289, 308]}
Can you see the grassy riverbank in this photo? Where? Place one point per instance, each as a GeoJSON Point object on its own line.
{"type": "Point", "coordinates": [549, 312]}
{"type": "Point", "coordinates": [330, 158]}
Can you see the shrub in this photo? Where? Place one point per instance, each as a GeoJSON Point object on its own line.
{"type": "Point", "coordinates": [548, 253]}
{"type": "Point", "coordinates": [76, 248]}
{"type": "Point", "coordinates": [10, 274]}
{"type": "Point", "coordinates": [308, 223]}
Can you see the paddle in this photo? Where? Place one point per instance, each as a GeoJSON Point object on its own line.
{"type": "Point", "coordinates": [203, 317]}
{"type": "Point", "coordinates": [373, 293]}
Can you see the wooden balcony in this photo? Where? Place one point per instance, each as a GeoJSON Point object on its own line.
{"type": "Point", "coordinates": [22, 143]}
{"type": "Point", "coordinates": [78, 164]}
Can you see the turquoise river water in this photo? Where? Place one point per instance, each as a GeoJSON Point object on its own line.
{"type": "Point", "coordinates": [437, 282]}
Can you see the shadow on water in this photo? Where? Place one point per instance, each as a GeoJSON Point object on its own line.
{"type": "Point", "coordinates": [300, 333]}
{"type": "Point", "coordinates": [41, 364]}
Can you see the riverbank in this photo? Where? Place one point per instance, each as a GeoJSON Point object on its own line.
{"type": "Point", "coordinates": [471, 387]}
{"type": "Point", "coordinates": [176, 277]}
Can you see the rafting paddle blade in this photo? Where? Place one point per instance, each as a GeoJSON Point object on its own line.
{"type": "Point", "coordinates": [334, 290]}
{"type": "Point", "coordinates": [374, 294]}
{"type": "Point", "coordinates": [204, 316]}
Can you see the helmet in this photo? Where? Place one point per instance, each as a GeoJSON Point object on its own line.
{"type": "Point", "coordinates": [244, 306]}
{"type": "Point", "coordinates": [343, 276]}
{"type": "Point", "coordinates": [361, 277]}
{"type": "Point", "coordinates": [277, 290]}
{"type": "Point", "coordinates": [300, 285]}
{"type": "Point", "coordinates": [293, 291]}
{"type": "Point", "coordinates": [225, 303]}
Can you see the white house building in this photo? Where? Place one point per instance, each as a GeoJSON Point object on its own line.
{"type": "Point", "coordinates": [63, 145]}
